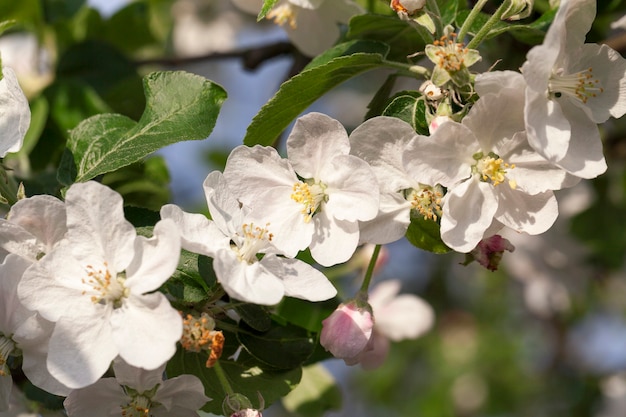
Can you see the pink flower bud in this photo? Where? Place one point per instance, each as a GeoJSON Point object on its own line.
{"type": "Point", "coordinates": [489, 252]}
{"type": "Point", "coordinates": [248, 412]}
{"type": "Point", "coordinates": [347, 331]}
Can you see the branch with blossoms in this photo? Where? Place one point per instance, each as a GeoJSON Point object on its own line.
{"type": "Point", "coordinates": [121, 306]}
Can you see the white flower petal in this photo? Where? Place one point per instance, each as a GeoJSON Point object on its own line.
{"type": "Point", "coordinates": [314, 141]}
{"type": "Point", "coordinates": [391, 222]}
{"type": "Point", "coordinates": [102, 399]}
{"type": "Point", "coordinates": [547, 128]}
{"type": "Point", "coordinates": [352, 189]}
{"type": "Point", "coordinates": [584, 157]}
{"type": "Point", "coordinates": [334, 241]}
{"type": "Point", "coordinates": [303, 281]}
{"type": "Point", "coordinates": [405, 317]}
{"type": "Point", "coordinates": [524, 213]}
{"type": "Point", "coordinates": [381, 141]}
{"type": "Point", "coordinates": [81, 350]}
{"type": "Point", "coordinates": [198, 234]}
{"type": "Point", "coordinates": [137, 378]}
{"type": "Point", "coordinates": [53, 286]}
{"type": "Point", "coordinates": [532, 173]}
{"type": "Point", "coordinates": [43, 216]}
{"type": "Point", "coordinates": [493, 82]}
{"type": "Point", "coordinates": [184, 393]}
{"type": "Point", "coordinates": [224, 208]}
{"type": "Point", "coordinates": [155, 258]}
{"type": "Point", "coordinates": [97, 227]}
{"type": "Point", "coordinates": [495, 118]}
{"type": "Point", "coordinates": [148, 320]}
{"type": "Point", "coordinates": [444, 158]}
{"type": "Point", "coordinates": [468, 211]}
{"type": "Point", "coordinates": [254, 283]}
{"type": "Point", "coordinates": [15, 116]}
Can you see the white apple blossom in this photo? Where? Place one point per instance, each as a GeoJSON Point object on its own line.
{"type": "Point", "coordinates": [234, 241]}
{"type": "Point", "coordinates": [490, 172]}
{"type": "Point", "coordinates": [15, 115]}
{"type": "Point", "coordinates": [138, 392]}
{"type": "Point", "coordinates": [571, 87]}
{"type": "Point", "coordinates": [311, 25]}
{"type": "Point", "coordinates": [397, 318]}
{"type": "Point", "coordinates": [22, 333]}
{"type": "Point", "coordinates": [33, 227]}
{"type": "Point", "coordinates": [316, 197]}
{"type": "Point", "coordinates": [98, 287]}
{"type": "Point", "coordinates": [381, 141]}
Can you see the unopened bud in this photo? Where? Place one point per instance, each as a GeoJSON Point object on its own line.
{"type": "Point", "coordinates": [347, 331]}
{"type": "Point", "coordinates": [489, 252]}
{"type": "Point", "coordinates": [518, 9]}
{"type": "Point", "coordinates": [407, 7]}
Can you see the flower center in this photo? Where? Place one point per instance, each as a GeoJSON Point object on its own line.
{"type": "Point", "coordinates": [492, 169]}
{"type": "Point", "coordinates": [451, 54]}
{"type": "Point", "coordinates": [253, 240]}
{"type": "Point", "coordinates": [580, 86]}
{"type": "Point", "coordinates": [199, 334]}
{"type": "Point", "coordinates": [426, 200]}
{"type": "Point", "coordinates": [311, 196]}
{"type": "Point", "coordinates": [108, 290]}
{"type": "Point", "coordinates": [282, 14]}
{"type": "Point", "coordinates": [7, 347]}
{"type": "Point", "coordinates": [139, 406]}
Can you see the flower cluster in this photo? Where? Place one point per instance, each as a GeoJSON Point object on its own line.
{"type": "Point", "coordinates": [82, 289]}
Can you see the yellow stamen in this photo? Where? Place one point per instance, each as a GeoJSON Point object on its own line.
{"type": "Point", "coordinates": [580, 86]}
{"type": "Point", "coordinates": [282, 14]}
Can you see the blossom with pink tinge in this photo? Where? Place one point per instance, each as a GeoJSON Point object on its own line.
{"type": "Point", "coordinates": [348, 330]}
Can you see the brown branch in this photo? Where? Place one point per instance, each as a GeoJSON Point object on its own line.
{"type": "Point", "coordinates": [251, 58]}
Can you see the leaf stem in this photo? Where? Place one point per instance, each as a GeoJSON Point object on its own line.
{"type": "Point", "coordinates": [470, 19]}
{"type": "Point", "coordinates": [370, 270]}
{"type": "Point", "coordinates": [484, 31]}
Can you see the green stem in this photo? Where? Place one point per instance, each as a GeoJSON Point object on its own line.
{"type": "Point", "coordinates": [221, 375]}
{"type": "Point", "coordinates": [484, 31]}
{"type": "Point", "coordinates": [371, 5]}
{"type": "Point", "coordinates": [470, 19]}
{"type": "Point", "coordinates": [8, 187]}
{"type": "Point", "coordinates": [370, 270]}
{"type": "Point", "coordinates": [408, 69]}
{"type": "Point", "coordinates": [433, 7]}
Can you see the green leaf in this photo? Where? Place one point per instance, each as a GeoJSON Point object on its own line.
{"type": "Point", "coordinates": [255, 316]}
{"type": "Point", "coordinates": [281, 347]}
{"type": "Point", "coordinates": [186, 284]}
{"type": "Point", "coordinates": [267, 6]}
{"type": "Point", "coordinates": [449, 10]}
{"type": "Point", "coordinates": [180, 106]}
{"type": "Point", "coordinates": [400, 36]}
{"type": "Point", "coordinates": [6, 24]}
{"type": "Point", "coordinates": [306, 314]}
{"type": "Point", "coordinates": [425, 235]}
{"type": "Point", "coordinates": [244, 375]}
{"type": "Point", "coordinates": [296, 94]}
{"type": "Point", "coordinates": [378, 103]}
{"type": "Point", "coordinates": [410, 107]}
{"type": "Point", "coordinates": [108, 71]}
{"type": "Point", "coordinates": [316, 394]}
{"type": "Point", "coordinates": [142, 184]}
{"type": "Point", "coordinates": [129, 28]}
{"type": "Point", "coordinates": [24, 11]}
